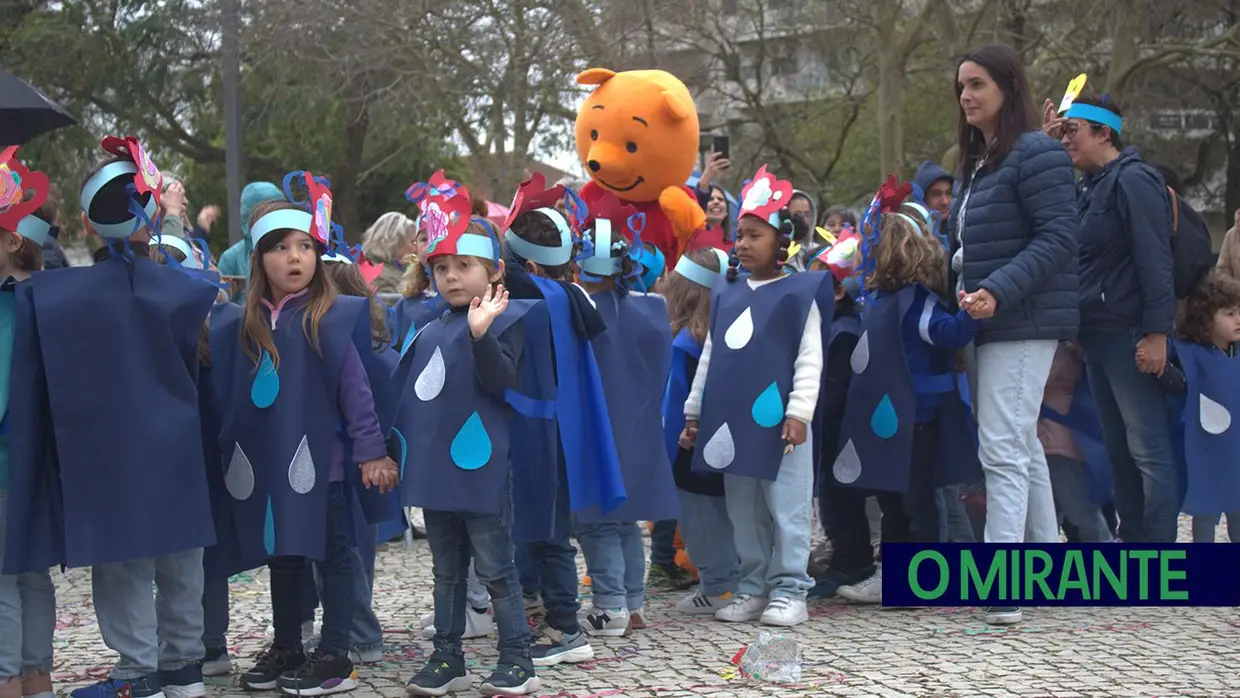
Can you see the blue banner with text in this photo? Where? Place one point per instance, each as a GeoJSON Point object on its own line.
{"type": "Point", "coordinates": [1061, 574]}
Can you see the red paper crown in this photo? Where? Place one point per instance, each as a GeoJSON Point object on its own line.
{"type": "Point", "coordinates": [843, 257]}
{"type": "Point", "coordinates": [320, 200]}
{"type": "Point", "coordinates": [445, 207]}
{"type": "Point", "coordinates": [605, 205]}
{"type": "Point", "coordinates": [149, 178]}
{"type": "Point", "coordinates": [891, 194]}
{"type": "Point", "coordinates": [22, 191]}
{"type": "Point", "coordinates": [533, 194]}
{"type": "Point", "coordinates": [765, 195]}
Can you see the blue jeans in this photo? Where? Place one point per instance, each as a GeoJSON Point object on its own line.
{"type": "Point", "coordinates": [150, 632]}
{"type": "Point", "coordinates": [453, 536]}
{"type": "Point", "coordinates": [27, 616]}
{"type": "Point", "coordinates": [616, 563]}
{"type": "Point", "coordinates": [956, 526]}
{"type": "Point", "coordinates": [556, 560]}
{"type": "Point", "coordinates": [1070, 483]}
{"type": "Point", "coordinates": [707, 530]}
{"type": "Point", "coordinates": [1136, 430]}
{"type": "Point", "coordinates": [663, 543]}
{"type": "Point", "coordinates": [771, 526]}
{"type": "Point", "coordinates": [215, 609]}
{"type": "Point", "coordinates": [366, 633]}
{"type": "Point", "coordinates": [527, 571]}
{"type": "Point", "coordinates": [289, 578]}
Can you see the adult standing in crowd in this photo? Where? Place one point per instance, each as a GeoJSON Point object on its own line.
{"type": "Point", "coordinates": [386, 243]}
{"type": "Point", "coordinates": [714, 202]}
{"type": "Point", "coordinates": [1229, 254]}
{"type": "Point", "coordinates": [235, 261]}
{"type": "Point", "coordinates": [1127, 306]}
{"type": "Point", "coordinates": [1014, 249]}
{"type": "Point", "coordinates": [53, 254]}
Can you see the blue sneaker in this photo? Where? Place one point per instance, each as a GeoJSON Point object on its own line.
{"type": "Point", "coordinates": [145, 687]}
{"type": "Point", "coordinates": [185, 682]}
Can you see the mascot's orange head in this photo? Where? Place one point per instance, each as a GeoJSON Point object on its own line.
{"type": "Point", "coordinates": [637, 133]}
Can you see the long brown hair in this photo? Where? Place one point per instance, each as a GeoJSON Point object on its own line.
{"type": "Point", "coordinates": [1017, 116]}
{"type": "Point", "coordinates": [906, 254]}
{"type": "Point", "coordinates": [255, 330]}
{"type": "Point", "coordinates": [688, 303]}
{"type": "Point", "coordinates": [349, 282]}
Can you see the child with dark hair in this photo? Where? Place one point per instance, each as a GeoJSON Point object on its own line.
{"type": "Point", "coordinates": [753, 399]}
{"type": "Point", "coordinates": [1206, 369]}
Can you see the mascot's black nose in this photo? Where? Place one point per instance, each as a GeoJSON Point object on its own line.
{"type": "Point", "coordinates": [594, 166]}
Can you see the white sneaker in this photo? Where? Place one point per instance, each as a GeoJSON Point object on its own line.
{"type": "Point", "coordinates": [607, 622]}
{"type": "Point", "coordinates": [867, 591]}
{"type": "Point", "coordinates": [742, 609]}
{"type": "Point", "coordinates": [370, 656]}
{"type": "Point", "coordinates": [476, 624]}
{"type": "Point", "coordinates": [785, 612]}
{"type": "Point", "coordinates": [696, 604]}
{"type": "Point", "coordinates": [310, 632]}
{"type": "Point", "coordinates": [1004, 615]}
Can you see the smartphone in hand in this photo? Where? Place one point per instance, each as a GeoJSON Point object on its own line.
{"type": "Point", "coordinates": [722, 146]}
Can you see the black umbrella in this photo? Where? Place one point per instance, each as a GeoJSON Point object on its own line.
{"type": "Point", "coordinates": [25, 112]}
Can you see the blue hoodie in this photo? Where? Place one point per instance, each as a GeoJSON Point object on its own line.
{"type": "Point", "coordinates": [235, 261]}
{"type": "Point", "coordinates": [929, 173]}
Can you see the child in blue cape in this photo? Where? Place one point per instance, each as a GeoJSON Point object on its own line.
{"type": "Point", "coordinates": [1206, 369]}
{"type": "Point", "coordinates": [903, 412]}
{"type": "Point", "coordinates": [299, 410]}
{"type": "Point", "coordinates": [455, 374]}
{"type": "Point", "coordinates": [704, 522]}
{"type": "Point", "coordinates": [27, 601]}
{"type": "Point", "coordinates": [71, 415]}
{"type": "Point", "coordinates": [634, 357]}
{"type": "Point", "coordinates": [755, 393]}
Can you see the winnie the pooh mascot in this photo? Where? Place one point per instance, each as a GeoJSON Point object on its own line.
{"type": "Point", "coordinates": [637, 137]}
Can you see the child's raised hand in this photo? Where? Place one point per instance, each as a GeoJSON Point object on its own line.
{"type": "Point", "coordinates": [381, 473]}
{"type": "Point", "coordinates": [794, 431]}
{"type": "Point", "coordinates": [483, 311]}
{"type": "Point", "coordinates": [688, 437]}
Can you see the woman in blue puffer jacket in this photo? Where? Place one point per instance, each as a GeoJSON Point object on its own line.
{"type": "Point", "coordinates": [1014, 239]}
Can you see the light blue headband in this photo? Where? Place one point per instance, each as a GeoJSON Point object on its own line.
{"type": "Point", "coordinates": [176, 243]}
{"type": "Point", "coordinates": [543, 254]}
{"type": "Point", "coordinates": [98, 181]}
{"type": "Point", "coordinates": [1098, 115]}
{"type": "Point", "coordinates": [602, 263]}
{"type": "Point", "coordinates": [474, 245]}
{"type": "Point", "coordinates": [34, 229]}
{"type": "Point", "coordinates": [699, 274]}
{"type": "Point", "coordinates": [283, 219]}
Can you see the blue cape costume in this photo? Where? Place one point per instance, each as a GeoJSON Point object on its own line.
{"type": "Point", "coordinates": [1211, 439]}
{"type": "Point", "coordinates": [282, 427]}
{"type": "Point", "coordinates": [634, 358]}
{"type": "Point", "coordinates": [457, 436]}
{"type": "Point", "coordinates": [566, 416]}
{"type": "Point", "coordinates": [1086, 427]}
{"type": "Point", "coordinates": [119, 423]}
{"type": "Point", "coordinates": [755, 336]}
{"type": "Point", "coordinates": [877, 432]}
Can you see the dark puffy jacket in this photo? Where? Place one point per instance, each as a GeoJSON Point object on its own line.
{"type": "Point", "coordinates": [1126, 261]}
{"type": "Point", "coordinates": [1019, 232]}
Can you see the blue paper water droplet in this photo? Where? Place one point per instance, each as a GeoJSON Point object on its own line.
{"type": "Point", "coordinates": [471, 447]}
{"type": "Point", "coordinates": [768, 409]}
{"type": "Point", "coordinates": [266, 384]}
{"type": "Point", "coordinates": [884, 421]}
{"type": "Point", "coordinates": [404, 450]}
{"type": "Point", "coordinates": [269, 530]}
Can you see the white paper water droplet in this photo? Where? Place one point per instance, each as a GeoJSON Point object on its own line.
{"type": "Point", "coordinates": [847, 467]}
{"type": "Point", "coordinates": [1215, 418]}
{"type": "Point", "coordinates": [301, 469]}
{"type": "Point", "coordinates": [740, 332]}
{"type": "Point", "coordinates": [720, 451]}
{"type": "Point", "coordinates": [430, 382]}
{"type": "Point", "coordinates": [239, 480]}
{"type": "Point", "coordinates": [861, 354]}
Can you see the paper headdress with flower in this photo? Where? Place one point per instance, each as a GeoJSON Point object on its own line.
{"type": "Point", "coordinates": [886, 201]}
{"type": "Point", "coordinates": [22, 193]}
{"type": "Point", "coordinates": [143, 179]}
{"type": "Point", "coordinates": [764, 196]}
{"type": "Point", "coordinates": [444, 206]}
{"type": "Point", "coordinates": [843, 256]}
{"type": "Point", "coordinates": [534, 197]}
{"type": "Point", "coordinates": [313, 215]}
{"type": "Point", "coordinates": [610, 231]}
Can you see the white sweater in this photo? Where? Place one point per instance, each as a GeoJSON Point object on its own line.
{"type": "Point", "coordinates": [806, 373]}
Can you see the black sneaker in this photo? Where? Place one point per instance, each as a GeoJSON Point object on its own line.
{"type": "Point", "coordinates": [268, 667]}
{"type": "Point", "coordinates": [669, 577]}
{"type": "Point", "coordinates": [511, 679]}
{"type": "Point", "coordinates": [321, 675]}
{"type": "Point", "coordinates": [443, 674]}
{"type": "Point", "coordinates": [185, 682]}
{"type": "Point", "coordinates": [556, 648]}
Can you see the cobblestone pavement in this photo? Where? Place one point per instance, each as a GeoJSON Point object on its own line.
{"type": "Point", "coordinates": [847, 650]}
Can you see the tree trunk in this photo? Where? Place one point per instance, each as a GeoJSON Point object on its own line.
{"type": "Point", "coordinates": [890, 111]}
{"type": "Point", "coordinates": [347, 204]}
{"type": "Point", "coordinates": [1125, 48]}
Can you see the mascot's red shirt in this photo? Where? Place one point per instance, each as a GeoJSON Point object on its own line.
{"type": "Point", "coordinates": [658, 230]}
